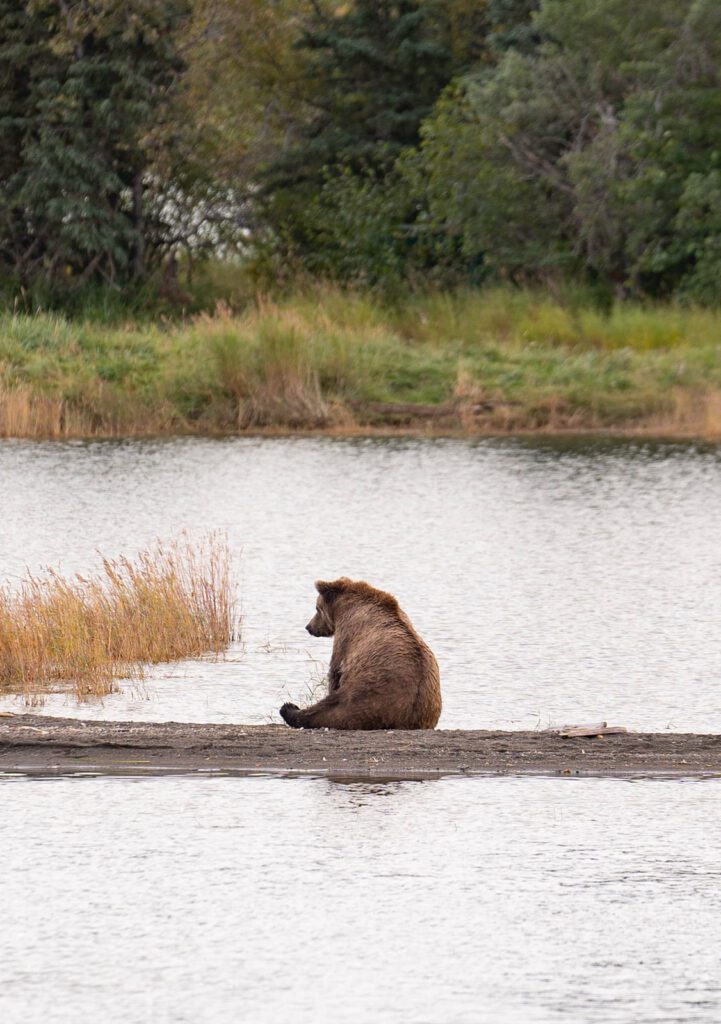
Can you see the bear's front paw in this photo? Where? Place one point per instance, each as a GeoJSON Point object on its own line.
{"type": "Point", "coordinates": [288, 713]}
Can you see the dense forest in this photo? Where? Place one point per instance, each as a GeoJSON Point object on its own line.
{"type": "Point", "coordinates": [373, 143]}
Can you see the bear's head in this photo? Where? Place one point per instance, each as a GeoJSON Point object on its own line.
{"type": "Point", "coordinates": [353, 592]}
{"type": "Point", "coordinates": [323, 622]}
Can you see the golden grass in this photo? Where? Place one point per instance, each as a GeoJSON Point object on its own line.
{"type": "Point", "coordinates": [30, 413]}
{"type": "Point", "coordinates": [691, 414]}
{"type": "Point", "coordinates": [24, 413]}
{"type": "Point", "coordinates": [173, 601]}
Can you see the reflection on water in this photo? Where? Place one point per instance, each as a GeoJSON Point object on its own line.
{"type": "Point", "coordinates": [135, 901]}
{"type": "Point", "coordinates": [555, 581]}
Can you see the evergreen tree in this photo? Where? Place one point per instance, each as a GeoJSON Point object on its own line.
{"type": "Point", "coordinates": [511, 25]}
{"type": "Point", "coordinates": [376, 71]}
{"type": "Point", "coordinates": [25, 60]}
{"type": "Point", "coordinates": [87, 157]}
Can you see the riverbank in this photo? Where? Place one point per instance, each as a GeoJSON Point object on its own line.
{"type": "Point", "coordinates": [474, 363]}
{"type": "Point", "coordinates": [36, 743]}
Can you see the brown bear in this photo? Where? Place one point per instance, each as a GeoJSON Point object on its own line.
{"type": "Point", "coordinates": [381, 675]}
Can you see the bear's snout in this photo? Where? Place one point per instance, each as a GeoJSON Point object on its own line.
{"type": "Point", "coordinates": [318, 627]}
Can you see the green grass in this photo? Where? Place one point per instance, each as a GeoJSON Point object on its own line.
{"type": "Point", "coordinates": [502, 358]}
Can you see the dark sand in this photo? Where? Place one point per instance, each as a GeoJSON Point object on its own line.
{"type": "Point", "coordinates": [41, 744]}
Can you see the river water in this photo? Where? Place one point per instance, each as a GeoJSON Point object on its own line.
{"type": "Point", "coordinates": [556, 582]}
{"type": "Point", "coordinates": [456, 901]}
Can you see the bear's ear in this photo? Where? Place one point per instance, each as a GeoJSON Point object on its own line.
{"type": "Point", "coordinates": [329, 590]}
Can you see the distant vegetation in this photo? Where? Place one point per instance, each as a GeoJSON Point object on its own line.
{"type": "Point", "coordinates": [391, 145]}
{"type": "Point", "coordinates": [171, 602]}
{"type": "Point", "coordinates": [470, 361]}
{"type": "Point", "coordinates": [219, 215]}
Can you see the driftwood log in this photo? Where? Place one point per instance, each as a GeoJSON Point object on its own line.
{"type": "Point", "coordinates": [595, 729]}
{"type": "Point", "coordinates": [408, 411]}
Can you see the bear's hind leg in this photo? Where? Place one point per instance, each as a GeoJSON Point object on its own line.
{"type": "Point", "coordinates": [326, 714]}
{"type": "Point", "coordinates": [288, 713]}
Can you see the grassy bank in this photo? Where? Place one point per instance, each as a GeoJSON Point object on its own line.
{"type": "Point", "coordinates": [477, 362]}
{"type": "Point", "coordinates": [172, 602]}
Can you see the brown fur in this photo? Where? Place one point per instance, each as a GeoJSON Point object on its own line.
{"type": "Point", "coordinates": [381, 675]}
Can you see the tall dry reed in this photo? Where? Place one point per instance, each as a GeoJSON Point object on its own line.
{"type": "Point", "coordinates": [23, 413]}
{"type": "Point", "coordinates": [173, 601]}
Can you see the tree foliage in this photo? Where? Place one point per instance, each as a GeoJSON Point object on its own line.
{"type": "Point", "coordinates": [90, 168]}
{"type": "Point", "coordinates": [375, 141]}
{"type": "Point", "coordinates": [595, 153]}
{"type": "Point", "coordinates": [374, 70]}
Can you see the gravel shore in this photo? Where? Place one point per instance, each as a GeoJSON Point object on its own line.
{"type": "Point", "coordinates": [37, 743]}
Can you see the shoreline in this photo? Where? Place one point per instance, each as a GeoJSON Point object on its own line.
{"type": "Point", "coordinates": [653, 430]}
{"type": "Point", "coordinates": [36, 744]}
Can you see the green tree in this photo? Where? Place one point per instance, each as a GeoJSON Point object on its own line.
{"type": "Point", "coordinates": [670, 132]}
{"type": "Point", "coordinates": [592, 154]}
{"type": "Point", "coordinates": [91, 173]}
{"type": "Point", "coordinates": [374, 71]}
{"type": "Point", "coordinates": [26, 60]}
{"type": "Point", "coordinates": [245, 82]}
{"type": "Point", "coordinates": [512, 26]}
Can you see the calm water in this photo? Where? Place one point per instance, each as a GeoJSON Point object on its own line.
{"type": "Point", "coordinates": [457, 901]}
{"type": "Point", "coordinates": [555, 582]}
